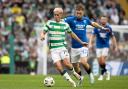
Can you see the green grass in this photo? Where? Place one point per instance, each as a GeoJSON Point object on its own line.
{"type": "Point", "coordinates": [35, 82]}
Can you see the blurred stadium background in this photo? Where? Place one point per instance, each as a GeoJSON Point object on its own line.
{"type": "Point", "coordinates": [22, 52]}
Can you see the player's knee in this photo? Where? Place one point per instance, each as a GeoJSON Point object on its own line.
{"type": "Point", "coordinates": [101, 62]}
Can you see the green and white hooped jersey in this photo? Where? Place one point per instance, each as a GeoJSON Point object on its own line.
{"type": "Point", "coordinates": [56, 33]}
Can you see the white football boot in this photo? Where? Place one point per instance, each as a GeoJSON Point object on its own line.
{"type": "Point", "coordinates": [91, 77]}
{"type": "Point", "coordinates": [100, 78]}
{"type": "Point", "coordinates": [107, 75]}
{"type": "Point", "coordinates": [81, 80]}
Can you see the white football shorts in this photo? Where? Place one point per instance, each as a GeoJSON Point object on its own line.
{"type": "Point", "coordinates": [102, 52]}
{"type": "Point", "coordinates": [77, 53]}
{"type": "Point", "coordinates": [59, 54]}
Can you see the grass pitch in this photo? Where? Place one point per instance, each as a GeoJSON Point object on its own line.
{"type": "Point", "coordinates": [36, 82]}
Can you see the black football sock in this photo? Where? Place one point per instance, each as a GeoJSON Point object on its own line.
{"type": "Point", "coordinates": [88, 70]}
{"type": "Point", "coordinates": [79, 73]}
{"type": "Point", "coordinates": [103, 69]}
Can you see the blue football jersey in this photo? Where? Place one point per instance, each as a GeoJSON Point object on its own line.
{"type": "Point", "coordinates": [102, 37]}
{"type": "Point", "coordinates": [78, 26]}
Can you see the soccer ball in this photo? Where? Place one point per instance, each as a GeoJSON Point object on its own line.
{"type": "Point", "coordinates": [49, 81]}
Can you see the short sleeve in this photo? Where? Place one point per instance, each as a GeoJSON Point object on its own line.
{"type": "Point", "coordinates": [46, 27]}
{"type": "Point", "coordinates": [68, 29]}
{"type": "Point", "coordinates": [111, 32]}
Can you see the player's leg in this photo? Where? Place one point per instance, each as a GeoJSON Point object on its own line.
{"type": "Point", "coordinates": [57, 62]}
{"type": "Point", "coordinates": [83, 61]}
{"type": "Point", "coordinates": [105, 54]}
{"type": "Point", "coordinates": [101, 64]}
{"type": "Point", "coordinates": [99, 56]}
{"type": "Point", "coordinates": [64, 72]}
{"type": "Point", "coordinates": [75, 60]}
{"type": "Point", "coordinates": [103, 68]}
{"type": "Point", "coordinates": [87, 67]}
{"type": "Point", "coordinates": [66, 61]}
{"type": "Point", "coordinates": [102, 55]}
{"type": "Point", "coordinates": [77, 68]}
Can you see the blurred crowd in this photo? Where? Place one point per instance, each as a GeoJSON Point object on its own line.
{"type": "Point", "coordinates": [19, 20]}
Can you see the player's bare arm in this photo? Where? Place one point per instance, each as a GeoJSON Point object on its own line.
{"type": "Point", "coordinates": [103, 21]}
{"type": "Point", "coordinates": [94, 24]}
{"type": "Point", "coordinates": [114, 42]}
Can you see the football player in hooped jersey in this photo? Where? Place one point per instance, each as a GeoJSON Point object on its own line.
{"type": "Point", "coordinates": [79, 54]}
{"type": "Point", "coordinates": [102, 45]}
{"type": "Point", "coordinates": [56, 30]}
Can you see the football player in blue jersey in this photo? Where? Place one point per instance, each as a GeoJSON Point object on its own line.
{"type": "Point", "coordinates": [102, 45]}
{"type": "Point", "coordinates": [79, 54]}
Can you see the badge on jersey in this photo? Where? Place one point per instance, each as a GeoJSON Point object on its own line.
{"type": "Point", "coordinates": [103, 35]}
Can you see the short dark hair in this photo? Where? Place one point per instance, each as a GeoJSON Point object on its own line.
{"type": "Point", "coordinates": [80, 7]}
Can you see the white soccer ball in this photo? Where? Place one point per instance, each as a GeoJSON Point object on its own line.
{"type": "Point", "coordinates": [49, 81]}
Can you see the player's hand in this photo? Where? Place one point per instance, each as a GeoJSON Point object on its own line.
{"type": "Point", "coordinates": [85, 44]}
{"type": "Point", "coordinates": [42, 36]}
